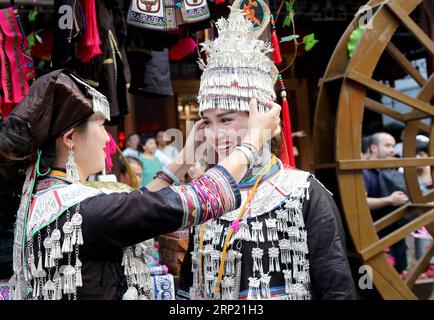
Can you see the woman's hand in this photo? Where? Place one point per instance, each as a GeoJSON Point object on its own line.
{"type": "Point", "coordinates": [263, 127]}
{"type": "Point", "coordinates": [196, 138]}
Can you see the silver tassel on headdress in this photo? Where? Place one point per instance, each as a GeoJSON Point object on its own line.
{"type": "Point", "coordinates": [71, 167]}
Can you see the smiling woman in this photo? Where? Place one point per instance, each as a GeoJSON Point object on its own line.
{"type": "Point", "coordinates": [287, 240]}
{"type": "Point", "coordinates": [72, 241]}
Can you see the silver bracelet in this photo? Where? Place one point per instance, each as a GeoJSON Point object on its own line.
{"type": "Point", "coordinates": [250, 146]}
{"type": "Point", "coordinates": [257, 159]}
{"type": "Point", "coordinates": [171, 175]}
{"type": "Point", "coordinates": [248, 154]}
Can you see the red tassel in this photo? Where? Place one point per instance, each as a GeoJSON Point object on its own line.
{"type": "Point", "coordinates": [110, 150]}
{"type": "Point", "coordinates": [276, 52]}
{"type": "Point", "coordinates": [182, 49]}
{"type": "Point", "coordinates": [287, 149]}
{"type": "Point", "coordinates": [88, 47]}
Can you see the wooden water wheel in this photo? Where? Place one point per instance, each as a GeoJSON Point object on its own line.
{"type": "Point", "coordinates": [344, 94]}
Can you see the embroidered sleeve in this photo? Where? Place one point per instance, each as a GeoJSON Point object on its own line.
{"type": "Point", "coordinates": [123, 219]}
{"type": "Point", "coordinates": [208, 197]}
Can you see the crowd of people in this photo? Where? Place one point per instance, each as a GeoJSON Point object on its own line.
{"type": "Point", "coordinates": [386, 190]}
{"type": "Point", "coordinates": [152, 153]}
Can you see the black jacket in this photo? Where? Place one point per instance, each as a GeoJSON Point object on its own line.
{"type": "Point", "coordinates": [329, 269]}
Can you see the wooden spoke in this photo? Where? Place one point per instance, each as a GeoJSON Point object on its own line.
{"type": "Point", "coordinates": [427, 91]}
{"type": "Point", "coordinates": [357, 164]}
{"type": "Point", "coordinates": [392, 93]}
{"type": "Point", "coordinates": [401, 212]}
{"type": "Point", "coordinates": [415, 115]}
{"type": "Point", "coordinates": [421, 266]}
{"type": "Point", "coordinates": [411, 26]}
{"type": "Point", "coordinates": [397, 235]}
{"type": "Point", "coordinates": [381, 108]}
{"type": "Point", "coordinates": [404, 63]}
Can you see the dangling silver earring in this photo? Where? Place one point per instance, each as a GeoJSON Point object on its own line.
{"type": "Point", "coordinates": [71, 167]}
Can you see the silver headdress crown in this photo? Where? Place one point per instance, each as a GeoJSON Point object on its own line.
{"type": "Point", "coordinates": [100, 104]}
{"type": "Point", "coordinates": [237, 68]}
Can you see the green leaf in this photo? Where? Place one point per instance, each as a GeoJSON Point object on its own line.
{"type": "Point", "coordinates": [288, 19]}
{"type": "Point", "coordinates": [354, 40]}
{"type": "Point", "coordinates": [31, 39]}
{"type": "Point", "coordinates": [289, 38]}
{"type": "Point", "coordinates": [309, 41]}
{"type": "Point", "coordinates": [32, 15]}
{"type": "Point", "coordinates": [289, 5]}
{"type": "Point", "coordinates": [286, 22]}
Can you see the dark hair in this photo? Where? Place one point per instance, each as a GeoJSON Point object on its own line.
{"type": "Point", "coordinates": [132, 134]}
{"type": "Point", "coordinates": [143, 139]}
{"type": "Point", "coordinates": [17, 153]}
{"type": "Point", "coordinates": [366, 143]}
{"type": "Point", "coordinates": [16, 145]}
{"type": "Point", "coordinates": [123, 167]}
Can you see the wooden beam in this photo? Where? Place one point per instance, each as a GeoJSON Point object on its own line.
{"type": "Point", "coordinates": [397, 235]}
{"type": "Point", "coordinates": [399, 213]}
{"type": "Point", "coordinates": [320, 166]}
{"type": "Point", "coordinates": [412, 27]}
{"type": "Point", "coordinates": [331, 79]}
{"type": "Point", "coordinates": [384, 163]}
{"type": "Point", "coordinates": [390, 218]}
{"type": "Point", "coordinates": [405, 64]}
{"type": "Point", "coordinates": [415, 115]}
{"type": "Point", "coordinates": [421, 266]}
{"type": "Point", "coordinates": [390, 92]}
{"type": "Point", "coordinates": [381, 108]}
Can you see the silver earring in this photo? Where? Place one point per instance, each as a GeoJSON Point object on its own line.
{"type": "Point", "coordinates": [71, 167]}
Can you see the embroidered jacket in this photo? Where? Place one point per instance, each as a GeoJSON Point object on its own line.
{"type": "Point", "coordinates": [62, 254]}
{"type": "Point", "coordinates": [289, 245]}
